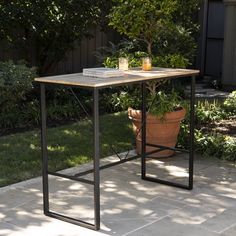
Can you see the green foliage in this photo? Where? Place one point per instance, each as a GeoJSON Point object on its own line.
{"type": "Point", "coordinates": [216, 145]}
{"type": "Point", "coordinates": [19, 100]}
{"type": "Point", "coordinates": [209, 112]}
{"type": "Point", "coordinates": [109, 55]}
{"type": "Point", "coordinates": [210, 143]}
{"type": "Point", "coordinates": [15, 84]}
{"type": "Point", "coordinates": [15, 81]}
{"type": "Point", "coordinates": [181, 38]}
{"type": "Point", "coordinates": [18, 103]}
{"type": "Point", "coordinates": [171, 61]}
{"type": "Point", "coordinates": [142, 19]}
{"type": "Point", "coordinates": [51, 27]}
{"type": "Point", "coordinates": [28, 116]}
{"type": "Point", "coordinates": [163, 103]}
{"type": "Point", "coordinates": [186, 15]}
{"type": "Point", "coordinates": [167, 27]}
{"type": "Point", "coordinates": [230, 103]}
{"type": "Point", "coordinates": [135, 60]}
{"type": "Point", "coordinates": [158, 105]}
{"type": "Point", "coordinates": [121, 49]}
{"type": "Point", "coordinates": [63, 111]}
{"type": "Point", "coordinates": [128, 97]}
{"type": "Point", "coordinates": [111, 62]}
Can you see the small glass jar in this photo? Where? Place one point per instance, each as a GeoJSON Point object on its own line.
{"type": "Point", "coordinates": [123, 63]}
{"type": "Point", "coordinates": [146, 64]}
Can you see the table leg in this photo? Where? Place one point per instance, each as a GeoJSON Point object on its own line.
{"type": "Point", "coordinates": [44, 149]}
{"type": "Point", "coordinates": [143, 127]}
{"type": "Point", "coordinates": [96, 158]}
{"type": "Point", "coordinates": [144, 154]}
{"type": "Point", "coordinates": [191, 151]}
{"type": "Point", "coordinates": [45, 171]}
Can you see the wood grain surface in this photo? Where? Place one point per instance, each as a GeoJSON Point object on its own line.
{"type": "Point", "coordinates": [131, 76]}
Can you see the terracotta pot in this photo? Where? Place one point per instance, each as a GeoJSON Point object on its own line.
{"type": "Point", "coordinates": [158, 131]}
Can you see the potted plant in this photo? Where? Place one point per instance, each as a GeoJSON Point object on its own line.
{"type": "Point", "coordinates": [145, 22]}
{"type": "Point", "coordinates": [162, 122]}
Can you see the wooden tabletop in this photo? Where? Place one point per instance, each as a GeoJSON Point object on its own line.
{"type": "Point", "coordinates": [131, 76]}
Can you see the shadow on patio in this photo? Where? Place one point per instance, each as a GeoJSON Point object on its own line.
{"type": "Point", "coordinates": [129, 205]}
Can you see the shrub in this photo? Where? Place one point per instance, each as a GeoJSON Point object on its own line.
{"type": "Point", "coordinates": [216, 145]}
{"type": "Point", "coordinates": [19, 99]}
{"type": "Point", "coordinates": [209, 144]}
{"type": "Point", "coordinates": [16, 82]}
{"type": "Point", "coordinates": [230, 103]}
{"type": "Point", "coordinates": [209, 112]}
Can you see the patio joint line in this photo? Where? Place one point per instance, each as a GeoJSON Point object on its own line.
{"type": "Point", "coordinates": [136, 218]}
{"type": "Point", "coordinates": [177, 201]}
{"type": "Point", "coordinates": [11, 224]}
{"type": "Point", "coordinates": [20, 204]}
{"type": "Point", "coordinates": [218, 232]}
{"type": "Point", "coordinates": [132, 231]}
{"type": "Point", "coordinates": [227, 228]}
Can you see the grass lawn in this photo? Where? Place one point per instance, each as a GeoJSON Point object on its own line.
{"type": "Point", "coordinates": [68, 145]}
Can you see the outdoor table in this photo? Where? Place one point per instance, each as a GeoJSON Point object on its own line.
{"type": "Point", "coordinates": [95, 85]}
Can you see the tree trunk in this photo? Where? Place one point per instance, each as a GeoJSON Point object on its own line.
{"type": "Point", "coordinates": [149, 47]}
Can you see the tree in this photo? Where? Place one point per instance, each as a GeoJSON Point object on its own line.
{"type": "Point", "coordinates": [181, 37]}
{"type": "Point", "coordinates": [142, 19]}
{"type": "Point", "coordinates": [186, 14]}
{"type": "Point", "coordinates": [51, 27]}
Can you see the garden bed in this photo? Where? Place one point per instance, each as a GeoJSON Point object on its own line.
{"type": "Point", "coordinates": [225, 127]}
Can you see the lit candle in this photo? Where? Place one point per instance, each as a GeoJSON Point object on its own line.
{"type": "Point", "coordinates": [123, 63]}
{"type": "Point", "coordinates": [147, 63]}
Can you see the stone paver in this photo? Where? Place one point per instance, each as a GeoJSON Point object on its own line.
{"type": "Point", "coordinates": [167, 227]}
{"type": "Point", "coordinates": [129, 205]}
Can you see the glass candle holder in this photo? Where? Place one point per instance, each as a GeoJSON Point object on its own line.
{"type": "Point", "coordinates": [123, 63]}
{"type": "Point", "coordinates": [146, 63]}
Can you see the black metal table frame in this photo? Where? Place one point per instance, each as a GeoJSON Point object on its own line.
{"type": "Point", "coordinates": [96, 162]}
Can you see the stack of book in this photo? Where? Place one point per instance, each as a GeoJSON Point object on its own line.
{"type": "Point", "coordinates": [102, 72]}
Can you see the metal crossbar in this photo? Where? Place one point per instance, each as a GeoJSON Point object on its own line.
{"type": "Point", "coordinates": [86, 181]}
{"type": "Point", "coordinates": [167, 148]}
{"type": "Point", "coordinates": [108, 165]}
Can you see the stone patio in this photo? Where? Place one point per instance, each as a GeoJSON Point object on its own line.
{"type": "Point", "coordinates": [129, 205]}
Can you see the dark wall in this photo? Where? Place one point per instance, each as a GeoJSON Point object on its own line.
{"type": "Point", "coordinates": [215, 39]}
{"type": "Point", "coordinates": [212, 39]}
{"type": "Point", "coordinates": [82, 56]}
